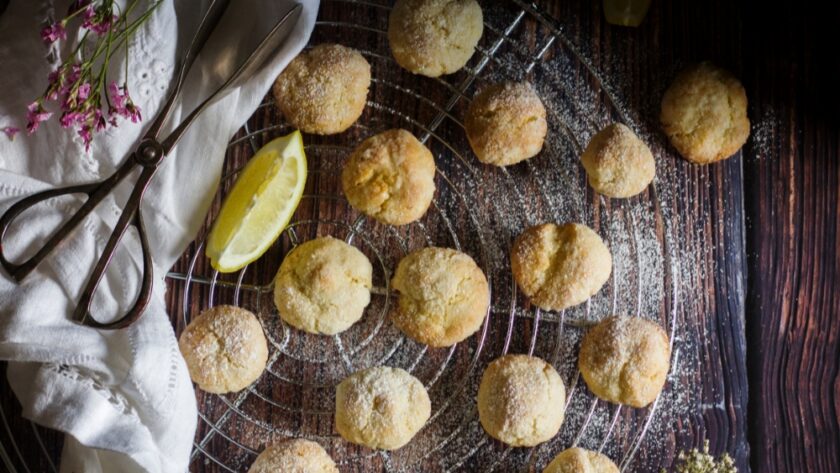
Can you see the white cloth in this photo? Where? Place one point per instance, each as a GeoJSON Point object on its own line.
{"type": "Point", "coordinates": [124, 397]}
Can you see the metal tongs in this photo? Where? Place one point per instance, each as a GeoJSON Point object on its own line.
{"type": "Point", "coordinates": [148, 155]}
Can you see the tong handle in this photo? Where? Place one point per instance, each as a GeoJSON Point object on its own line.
{"type": "Point", "coordinates": [131, 215]}
{"type": "Point", "coordinates": [250, 66]}
{"type": "Point", "coordinates": [208, 23]}
{"type": "Point", "coordinates": [95, 192]}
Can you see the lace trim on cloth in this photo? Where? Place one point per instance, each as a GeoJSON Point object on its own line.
{"type": "Point", "coordinates": [92, 381]}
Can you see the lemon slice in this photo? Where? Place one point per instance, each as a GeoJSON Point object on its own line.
{"type": "Point", "coordinates": [260, 205]}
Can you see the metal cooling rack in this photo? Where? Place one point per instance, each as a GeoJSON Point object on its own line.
{"type": "Point", "coordinates": [293, 397]}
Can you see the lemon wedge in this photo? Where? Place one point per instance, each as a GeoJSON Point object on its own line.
{"type": "Point", "coordinates": [260, 205]}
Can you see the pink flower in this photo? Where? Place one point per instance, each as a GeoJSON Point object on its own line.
{"type": "Point", "coordinates": [84, 91]}
{"type": "Point", "coordinates": [10, 131]}
{"type": "Point", "coordinates": [121, 103]}
{"type": "Point", "coordinates": [53, 33]}
{"type": "Point", "coordinates": [35, 115]}
{"type": "Point", "coordinates": [117, 96]}
{"type": "Point", "coordinates": [73, 74]}
{"type": "Point", "coordinates": [134, 112]}
{"type": "Point", "coordinates": [100, 121]}
{"type": "Point", "coordinates": [99, 20]}
{"type": "Point", "coordinates": [69, 119]}
{"type": "Point", "coordinates": [86, 135]}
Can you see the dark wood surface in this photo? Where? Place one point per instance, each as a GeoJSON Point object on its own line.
{"type": "Point", "coordinates": [760, 231]}
{"type": "Point", "coordinates": [792, 185]}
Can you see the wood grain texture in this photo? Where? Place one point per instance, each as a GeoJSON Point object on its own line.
{"type": "Point", "coordinates": [792, 182]}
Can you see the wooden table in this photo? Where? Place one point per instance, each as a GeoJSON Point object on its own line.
{"type": "Point", "coordinates": [761, 229]}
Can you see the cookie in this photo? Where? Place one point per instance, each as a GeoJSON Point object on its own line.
{"type": "Point", "coordinates": [443, 298]}
{"type": "Point", "coordinates": [521, 400]}
{"type": "Point", "coordinates": [506, 123]}
{"type": "Point", "coordinates": [225, 349]}
{"type": "Point", "coordinates": [434, 37]}
{"type": "Point", "coordinates": [390, 177]}
{"type": "Point", "coordinates": [323, 286]}
{"type": "Point", "coordinates": [625, 360]}
{"type": "Point", "coordinates": [704, 114]}
{"type": "Point", "coordinates": [560, 266]}
{"type": "Point", "coordinates": [617, 162]}
{"type": "Point", "coordinates": [381, 407]}
{"type": "Point", "coordinates": [294, 456]}
{"type": "Point", "coordinates": [324, 90]}
{"type": "Point", "coordinates": [579, 460]}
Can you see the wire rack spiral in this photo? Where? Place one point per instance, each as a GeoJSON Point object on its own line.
{"type": "Point", "coordinates": [477, 210]}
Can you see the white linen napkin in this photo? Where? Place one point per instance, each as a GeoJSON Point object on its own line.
{"type": "Point", "coordinates": [123, 397]}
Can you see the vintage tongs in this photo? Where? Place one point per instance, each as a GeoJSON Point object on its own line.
{"type": "Point", "coordinates": [148, 155]}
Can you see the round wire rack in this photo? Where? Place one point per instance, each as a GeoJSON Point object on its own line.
{"type": "Point", "coordinates": [477, 209]}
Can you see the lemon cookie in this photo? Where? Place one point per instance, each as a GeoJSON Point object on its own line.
{"type": "Point", "coordinates": [506, 123]}
{"type": "Point", "coordinates": [381, 407]}
{"type": "Point", "coordinates": [444, 296]}
{"type": "Point", "coordinates": [625, 360]}
{"type": "Point", "coordinates": [521, 400]}
{"type": "Point", "coordinates": [560, 266]}
{"type": "Point", "coordinates": [324, 90]}
{"type": "Point", "coordinates": [579, 460]}
{"type": "Point", "coordinates": [294, 456]}
{"type": "Point", "coordinates": [704, 114]}
{"type": "Point", "coordinates": [434, 37]}
{"type": "Point", "coordinates": [617, 162]}
{"type": "Point", "coordinates": [390, 177]}
{"type": "Point", "coordinates": [225, 349]}
{"type": "Point", "coordinates": [323, 286]}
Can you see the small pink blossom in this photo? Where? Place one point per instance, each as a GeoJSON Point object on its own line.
{"type": "Point", "coordinates": [68, 119]}
{"type": "Point", "coordinates": [53, 33]}
{"type": "Point", "coordinates": [10, 131]}
{"type": "Point", "coordinates": [118, 97]}
{"type": "Point", "coordinates": [35, 115]}
{"type": "Point", "coordinates": [99, 121]}
{"type": "Point", "coordinates": [87, 137]}
{"type": "Point", "coordinates": [121, 103]}
{"type": "Point", "coordinates": [134, 113]}
{"type": "Point", "coordinates": [84, 91]}
{"type": "Point", "coordinates": [74, 73]}
{"type": "Point", "coordinates": [77, 88]}
{"type": "Point", "coordinates": [99, 20]}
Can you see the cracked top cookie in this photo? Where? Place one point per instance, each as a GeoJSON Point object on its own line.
{"type": "Point", "coordinates": [521, 400]}
{"type": "Point", "coordinates": [506, 123]}
{"type": "Point", "coordinates": [704, 114]}
{"type": "Point", "coordinates": [224, 348]}
{"type": "Point", "coordinates": [579, 460]}
{"type": "Point", "coordinates": [294, 456]}
{"type": "Point", "coordinates": [617, 162]}
{"type": "Point", "coordinates": [390, 177]}
{"type": "Point", "coordinates": [625, 360]}
{"type": "Point", "coordinates": [324, 90]}
{"type": "Point", "coordinates": [434, 37]}
{"type": "Point", "coordinates": [381, 407]}
{"type": "Point", "coordinates": [444, 296]}
{"type": "Point", "coordinates": [560, 266]}
{"type": "Point", "coordinates": [323, 286]}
